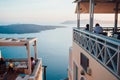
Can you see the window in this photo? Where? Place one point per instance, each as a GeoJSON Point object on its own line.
{"type": "Point", "coordinates": [84, 61]}
{"type": "Point", "coordinates": [75, 72]}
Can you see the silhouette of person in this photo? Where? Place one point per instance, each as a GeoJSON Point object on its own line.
{"type": "Point", "coordinates": [87, 27]}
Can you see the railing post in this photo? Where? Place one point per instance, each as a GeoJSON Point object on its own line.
{"type": "Point", "coordinates": [119, 65]}
{"type": "Point", "coordinates": [45, 72]}
{"type": "Point", "coordinates": [118, 62]}
{"type": "Point", "coordinates": [105, 57]}
{"type": "Point", "coordinates": [96, 43]}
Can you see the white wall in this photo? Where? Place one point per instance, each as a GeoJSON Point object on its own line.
{"type": "Point", "coordinates": [0, 54]}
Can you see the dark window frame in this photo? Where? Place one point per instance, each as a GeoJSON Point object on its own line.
{"type": "Point", "coordinates": [84, 61]}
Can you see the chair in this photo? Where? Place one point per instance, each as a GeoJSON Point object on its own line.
{"type": "Point", "coordinates": [2, 76]}
{"type": "Point", "coordinates": [11, 66]}
{"type": "Point", "coordinates": [116, 35]}
{"type": "Point", "coordinates": [104, 33]}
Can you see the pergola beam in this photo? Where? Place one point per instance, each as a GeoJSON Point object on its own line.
{"type": "Point", "coordinates": [20, 42]}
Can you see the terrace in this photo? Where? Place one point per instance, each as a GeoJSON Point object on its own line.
{"type": "Point", "coordinates": [22, 69]}
{"type": "Point", "coordinates": [104, 49]}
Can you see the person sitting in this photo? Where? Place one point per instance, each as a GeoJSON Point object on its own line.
{"type": "Point", "coordinates": [2, 61]}
{"type": "Point", "coordinates": [98, 29]}
{"type": "Point", "coordinates": [87, 27]}
{"type": "Point", "coordinates": [2, 65]}
{"type": "Point", "coordinates": [32, 63]}
{"type": "Point", "coordinates": [11, 66]}
{"type": "Point", "coordinates": [2, 69]}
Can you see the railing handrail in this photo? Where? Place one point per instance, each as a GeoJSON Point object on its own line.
{"type": "Point", "coordinates": [108, 39]}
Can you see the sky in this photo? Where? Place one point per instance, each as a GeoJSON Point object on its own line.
{"type": "Point", "coordinates": [41, 12]}
{"type": "Point", "coordinates": [36, 11]}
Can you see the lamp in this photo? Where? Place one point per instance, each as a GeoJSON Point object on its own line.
{"type": "Point", "coordinates": [89, 71]}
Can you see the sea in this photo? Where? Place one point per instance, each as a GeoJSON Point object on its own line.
{"type": "Point", "coordinates": [52, 46]}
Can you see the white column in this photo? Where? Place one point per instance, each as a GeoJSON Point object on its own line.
{"type": "Point", "coordinates": [29, 58]}
{"type": "Point", "coordinates": [116, 17]}
{"type": "Point", "coordinates": [35, 50]}
{"type": "Point", "coordinates": [91, 14]}
{"type": "Point", "coordinates": [78, 14]}
{"type": "Point", "coordinates": [0, 54]}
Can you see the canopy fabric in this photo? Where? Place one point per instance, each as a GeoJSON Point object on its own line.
{"type": "Point", "coordinates": [101, 6]}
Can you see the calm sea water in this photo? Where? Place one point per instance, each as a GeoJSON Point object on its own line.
{"type": "Point", "coordinates": [53, 48]}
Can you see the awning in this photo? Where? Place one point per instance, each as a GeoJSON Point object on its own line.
{"type": "Point", "coordinates": [97, 6]}
{"type": "Point", "coordinates": [100, 6]}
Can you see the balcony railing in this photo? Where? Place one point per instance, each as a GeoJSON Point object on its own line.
{"type": "Point", "coordinates": [103, 49]}
{"type": "Point", "coordinates": [37, 71]}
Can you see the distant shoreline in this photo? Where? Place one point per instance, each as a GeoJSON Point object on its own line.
{"type": "Point", "coordinates": [25, 28]}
